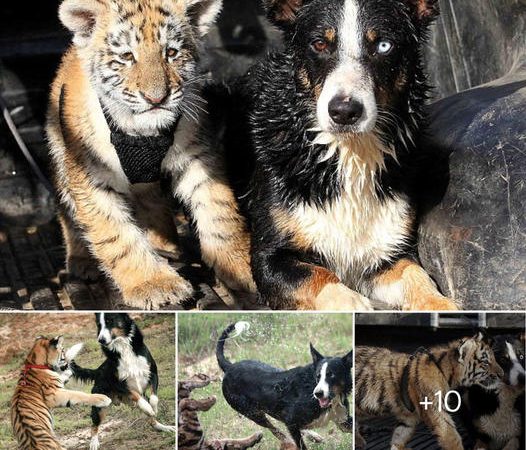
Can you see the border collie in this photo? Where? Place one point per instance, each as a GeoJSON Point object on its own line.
{"type": "Point", "coordinates": [496, 416]}
{"type": "Point", "coordinates": [334, 121]}
{"type": "Point", "coordinates": [128, 371]}
{"type": "Point", "coordinates": [302, 397]}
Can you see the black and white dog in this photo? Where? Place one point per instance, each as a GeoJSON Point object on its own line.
{"type": "Point", "coordinates": [302, 397]}
{"type": "Point", "coordinates": [128, 371]}
{"type": "Point", "coordinates": [496, 416]}
{"type": "Point", "coordinates": [334, 120]}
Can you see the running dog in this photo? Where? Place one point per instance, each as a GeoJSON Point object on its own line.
{"type": "Point", "coordinates": [334, 120]}
{"type": "Point", "coordinates": [129, 369]}
{"type": "Point", "coordinates": [302, 397]}
{"type": "Point", "coordinates": [496, 415]}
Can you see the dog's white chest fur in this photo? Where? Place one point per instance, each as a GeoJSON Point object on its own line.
{"type": "Point", "coordinates": [132, 368]}
{"type": "Point", "coordinates": [355, 232]}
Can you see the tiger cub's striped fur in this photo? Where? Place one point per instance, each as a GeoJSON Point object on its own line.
{"type": "Point", "coordinates": [39, 390]}
{"type": "Point", "coordinates": [390, 383]}
{"type": "Point", "coordinates": [133, 65]}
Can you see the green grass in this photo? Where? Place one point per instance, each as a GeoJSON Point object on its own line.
{"type": "Point", "coordinates": [281, 340]}
{"type": "Point", "coordinates": [126, 427]}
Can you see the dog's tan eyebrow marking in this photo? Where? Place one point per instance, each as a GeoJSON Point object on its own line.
{"type": "Point", "coordinates": [304, 78]}
{"type": "Point", "coordinates": [330, 34]}
{"type": "Point", "coordinates": [371, 35]}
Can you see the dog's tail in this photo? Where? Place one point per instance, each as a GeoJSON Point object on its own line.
{"type": "Point", "coordinates": [239, 327]}
{"type": "Point", "coordinates": [82, 374]}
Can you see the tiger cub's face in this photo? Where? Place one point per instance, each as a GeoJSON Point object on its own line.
{"type": "Point", "coordinates": [141, 56]}
{"type": "Point", "coordinates": [478, 363]}
{"type": "Point", "coordinates": [48, 352]}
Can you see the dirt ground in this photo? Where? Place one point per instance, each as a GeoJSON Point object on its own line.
{"type": "Point", "coordinates": [125, 427]}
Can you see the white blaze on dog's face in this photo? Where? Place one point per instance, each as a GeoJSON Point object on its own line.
{"type": "Point", "coordinates": [322, 389]}
{"type": "Point", "coordinates": [104, 336]}
{"type": "Point", "coordinates": [347, 101]}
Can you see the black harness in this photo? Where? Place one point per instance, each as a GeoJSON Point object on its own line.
{"type": "Point", "coordinates": [141, 156]}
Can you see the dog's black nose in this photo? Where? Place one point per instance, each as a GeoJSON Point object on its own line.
{"type": "Point", "coordinates": [318, 394]}
{"type": "Point", "coordinates": [344, 110]}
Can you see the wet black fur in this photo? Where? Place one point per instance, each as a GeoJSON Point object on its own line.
{"type": "Point", "coordinates": [105, 377]}
{"type": "Point", "coordinates": [270, 115]}
{"type": "Point", "coordinates": [485, 402]}
{"type": "Point", "coordinates": [256, 389]}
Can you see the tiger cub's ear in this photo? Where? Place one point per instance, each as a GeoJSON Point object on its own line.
{"type": "Point", "coordinates": [80, 17]}
{"type": "Point", "coordinates": [464, 347]}
{"type": "Point", "coordinates": [203, 13]}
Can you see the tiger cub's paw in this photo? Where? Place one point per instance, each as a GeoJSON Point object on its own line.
{"type": "Point", "coordinates": [101, 400]}
{"type": "Point", "coordinates": [160, 290]}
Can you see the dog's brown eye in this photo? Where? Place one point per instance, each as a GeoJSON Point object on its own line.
{"type": "Point", "coordinates": [320, 45]}
{"type": "Point", "coordinates": [171, 52]}
{"type": "Point", "coordinates": [127, 56]}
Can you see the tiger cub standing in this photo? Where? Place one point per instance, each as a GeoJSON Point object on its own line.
{"type": "Point", "coordinates": [390, 383]}
{"type": "Point", "coordinates": [41, 388]}
{"type": "Point", "coordinates": [124, 112]}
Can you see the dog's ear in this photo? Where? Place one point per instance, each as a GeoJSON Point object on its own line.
{"type": "Point", "coordinates": [56, 341]}
{"type": "Point", "coordinates": [282, 13]}
{"type": "Point", "coordinates": [316, 355]}
{"type": "Point", "coordinates": [348, 359]}
{"type": "Point", "coordinates": [424, 11]}
{"type": "Point", "coordinates": [203, 13]}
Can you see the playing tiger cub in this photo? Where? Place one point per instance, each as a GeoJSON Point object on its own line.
{"type": "Point", "coordinates": [392, 383]}
{"type": "Point", "coordinates": [40, 389]}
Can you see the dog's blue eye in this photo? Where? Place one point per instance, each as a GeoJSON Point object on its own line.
{"type": "Point", "coordinates": [384, 47]}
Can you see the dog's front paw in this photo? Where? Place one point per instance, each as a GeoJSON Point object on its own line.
{"type": "Point", "coordinates": [160, 290]}
{"type": "Point", "coordinates": [338, 297]}
{"type": "Point", "coordinates": [83, 268]}
{"type": "Point", "coordinates": [94, 443]}
{"type": "Point", "coordinates": [154, 402]}
{"type": "Point", "coordinates": [432, 302]}
{"type": "Point", "coordinates": [101, 400]}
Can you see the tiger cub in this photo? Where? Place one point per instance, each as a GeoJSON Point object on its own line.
{"type": "Point", "coordinates": [124, 113]}
{"type": "Point", "coordinates": [41, 388]}
{"type": "Point", "coordinates": [390, 383]}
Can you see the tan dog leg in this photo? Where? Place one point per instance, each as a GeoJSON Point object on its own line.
{"type": "Point", "coordinates": [139, 401]}
{"type": "Point", "coordinates": [406, 284]}
{"type": "Point", "coordinates": [323, 291]}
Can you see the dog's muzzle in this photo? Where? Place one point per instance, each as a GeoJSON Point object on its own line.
{"type": "Point", "coordinates": [324, 402]}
